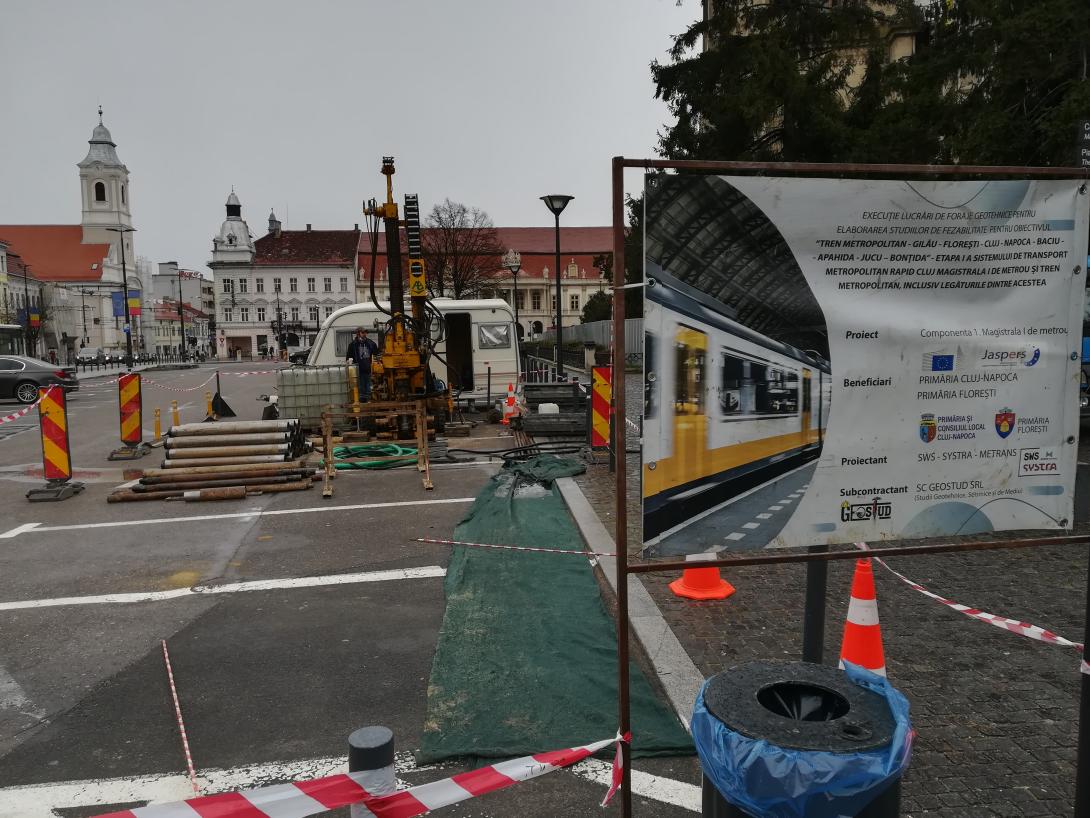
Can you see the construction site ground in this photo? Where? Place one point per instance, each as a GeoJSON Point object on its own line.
{"type": "Point", "coordinates": [271, 678]}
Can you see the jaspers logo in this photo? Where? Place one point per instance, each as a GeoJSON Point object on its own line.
{"type": "Point", "coordinates": [876, 509]}
{"type": "Point", "coordinates": [1010, 357]}
{"type": "Point", "coordinates": [928, 427]}
{"type": "Point", "coordinates": [1004, 422]}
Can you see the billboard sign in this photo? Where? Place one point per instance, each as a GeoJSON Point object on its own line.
{"type": "Point", "coordinates": [836, 360]}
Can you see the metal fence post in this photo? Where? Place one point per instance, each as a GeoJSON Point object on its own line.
{"type": "Point", "coordinates": [371, 761]}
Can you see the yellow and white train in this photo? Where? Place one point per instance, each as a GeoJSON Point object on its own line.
{"type": "Point", "coordinates": [725, 408]}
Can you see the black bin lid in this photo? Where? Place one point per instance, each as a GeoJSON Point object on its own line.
{"type": "Point", "coordinates": [800, 706]}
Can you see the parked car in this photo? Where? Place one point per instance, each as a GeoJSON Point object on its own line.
{"type": "Point", "coordinates": [299, 356]}
{"type": "Point", "coordinates": [20, 377]}
{"type": "Point", "coordinates": [91, 355]}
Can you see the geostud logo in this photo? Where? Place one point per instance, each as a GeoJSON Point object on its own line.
{"type": "Point", "coordinates": [1004, 422]}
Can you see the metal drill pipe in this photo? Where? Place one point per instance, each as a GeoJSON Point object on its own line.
{"type": "Point", "coordinates": [220, 467]}
{"type": "Point", "coordinates": [300, 486]}
{"type": "Point", "coordinates": [234, 451]}
{"type": "Point", "coordinates": [215, 484]}
{"type": "Point", "coordinates": [238, 427]}
{"type": "Point", "coordinates": [242, 474]}
{"type": "Point", "coordinates": [189, 441]}
{"type": "Point", "coordinates": [232, 493]}
{"type": "Point", "coordinates": [224, 461]}
{"type": "Point", "coordinates": [131, 497]}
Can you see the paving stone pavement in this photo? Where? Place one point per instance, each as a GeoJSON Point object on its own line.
{"type": "Point", "coordinates": [996, 713]}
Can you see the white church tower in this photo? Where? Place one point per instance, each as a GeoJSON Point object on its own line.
{"type": "Point", "coordinates": [104, 184]}
{"type": "Point", "coordinates": [233, 244]}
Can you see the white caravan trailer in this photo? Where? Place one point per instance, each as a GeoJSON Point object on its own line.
{"type": "Point", "coordinates": [480, 335]}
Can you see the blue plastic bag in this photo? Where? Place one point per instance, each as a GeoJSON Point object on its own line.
{"type": "Point", "coordinates": [768, 781]}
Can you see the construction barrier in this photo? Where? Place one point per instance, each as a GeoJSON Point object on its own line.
{"type": "Point", "coordinates": [601, 400]}
{"type": "Point", "coordinates": [130, 406]}
{"type": "Point", "coordinates": [56, 453]}
{"type": "Point", "coordinates": [302, 798]}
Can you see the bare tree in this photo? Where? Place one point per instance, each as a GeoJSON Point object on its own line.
{"type": "Point", "coordinates": [462, 250]}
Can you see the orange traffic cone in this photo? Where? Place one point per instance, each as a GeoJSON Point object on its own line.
{"type": "Point", "coordinates": [509, 404]}
{"type": "Point", "coordinates": [862, 634]}
{"type": "Point", "coordinates": [701, 583]}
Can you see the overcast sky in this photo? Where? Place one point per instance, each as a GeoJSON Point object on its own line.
{"type": "Point", "coordinates": [489, 102]}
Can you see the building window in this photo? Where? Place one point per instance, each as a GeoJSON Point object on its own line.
{"type": "Point", "coordinates": [327, 285]}
{"type": "Point", "coordinates": [259, 284]}
{"type": "Point", "coordinates": [574, 302]}
{"type": "Point", "coordinates": [553, 301]}
{"type": "Point", "coordinates": [276, 285]}
{"type": "Point", "coordinates": [328, 311]}
{"type": "Point", "coordinates": [344, 284]}
{"type": "Point", "coordinates": [293, 285]}
{"type": "Point", "coordinates": [520, 300]}
{"type": "Point", "coordinates": [244, 313]}
{"type": "Point", "coordinates": [242, 285]}
{"type": "Point", "coordinates": [294, 313]}
{"type": "Point", "coordinates": [122, 194]}
{"type": "Point", "coordinates": [227, 285]}
{"type": "Point", "coordinates": [100, 191]}
{"type": "Point", "coordinates": [535, 300]}
{"type": "Point", "coordinates": [314, 314]}
{"type": "Point", "coordinates": [310, 285]}
{"type": "Point", "coordinates": [260, 313]}
{"type": "Point", "coordinates": [227, 315]}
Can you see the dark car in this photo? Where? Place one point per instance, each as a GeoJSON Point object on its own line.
{"type": "Point", "coordinates": [20, 377]}
{"type": "Point", "coordinates": [299, 356]}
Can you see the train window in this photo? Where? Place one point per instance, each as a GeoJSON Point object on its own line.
{"type": "Point", "coordinates": [690, 352]}
{"type": "Point", "coordinates": [751, 387]}
{"type": "Point", "coordinates": [650, 375]}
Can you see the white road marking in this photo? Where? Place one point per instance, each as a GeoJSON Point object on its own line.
{"type": "Point", "coordinates": [751, 526]}
{"type": "Point", "coordinates": [13, 697]}
{"type": "Point", "coordinates": [786, 500]}
{"type": "Point", "coordinates": [775, 508]}
{"type": "Point", "coordinates": [38, 527]}
{"type": "Point", "coordinates": [424, 572]}
{"type": "Point", "coordinates": [41, 800]}
{"type": "Point", "coordinates": [764, 516]}
{"type": "Point", "coordinates": [671, 531]}
{"type": "Point", "coordinates": [735, 535]}
{"type": "Point", "coordinates": [646, 785]}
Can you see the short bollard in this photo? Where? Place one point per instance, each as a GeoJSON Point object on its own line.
{"type": "Point", "coordinates": [175, 420]}
{"type": "Point", "coordinates": [371, 763]}
{"type": "Point", "coordinates": [208, 403]}
{"type": "Point", "coordinates": [158, 427]}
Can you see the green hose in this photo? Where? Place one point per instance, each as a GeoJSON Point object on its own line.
{"type": "Point", "coordinates": [374, 450]}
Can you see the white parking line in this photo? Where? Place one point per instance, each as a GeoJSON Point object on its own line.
{"type": "Point", "coordinates": [424, 572]}
{"type": "Point", "coordinates": [35, 528]}
{"type": "Point", "coordinates": [751, 526]}
{"type": "Point", "coordinates": [770, 508]}
{"type": "Point", "coordinates": [764, 516]}
{"type": "Point", "coordinates": [735, 535]}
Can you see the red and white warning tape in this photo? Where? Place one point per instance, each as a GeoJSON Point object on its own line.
{"type": "Point", "coordinates": [26, 409]}
{"type": "Point", "coordinates": [302, 798]}
{"type": "Point", "coordinates": [181, 723]}
{"type": "Point", "coordinates": [434, 541]}
{"type": "Point", "coordinates": [211, 378]}
{"type": "Point", "coordinates": [256, 372]}
{"type": "Point", "coordinates": [1012, 625]}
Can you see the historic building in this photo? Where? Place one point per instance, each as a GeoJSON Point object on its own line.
{"type": "Point", "coordinates": [273, 293]}
{"type": "Point", "coordinates": [79, 266]}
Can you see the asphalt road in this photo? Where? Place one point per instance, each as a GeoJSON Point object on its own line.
{"type": "Point", "coordinates": [269, 676]}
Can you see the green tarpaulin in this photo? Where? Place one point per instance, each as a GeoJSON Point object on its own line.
{"type": "Point", "coordinates": [526, 659]}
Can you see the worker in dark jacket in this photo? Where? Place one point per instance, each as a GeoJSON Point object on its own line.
{"type": "Point", "coordinates": [360, 352]}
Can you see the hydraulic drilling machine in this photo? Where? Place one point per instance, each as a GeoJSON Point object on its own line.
{"type": "Point", "coordinates": [407, 399]}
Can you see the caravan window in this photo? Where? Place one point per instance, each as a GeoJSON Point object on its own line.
{"type": "Point", "coordinates": [344, 337]}
{"type": "Point", "coordinates": [493, 336]}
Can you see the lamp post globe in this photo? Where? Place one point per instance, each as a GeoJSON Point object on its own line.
{"type": "Point", "coordinates": [512, 260]}
{"type": "Point", "coordinates": [556, 203]}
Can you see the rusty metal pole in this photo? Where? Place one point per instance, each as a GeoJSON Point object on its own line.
{"type": "Point", "coordinates": [621, 508]}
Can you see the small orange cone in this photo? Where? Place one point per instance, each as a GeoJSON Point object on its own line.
{"type": "Point", "coordinates": [509, 404]}
{"type": "Point", "coordinates": [862, 634]}
{"type": "Point", "coordinates": [701, 583]}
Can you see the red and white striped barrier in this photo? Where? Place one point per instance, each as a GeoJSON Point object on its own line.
{"type": "Point", "coordinates": [302, 798]}
{"type": "Point", "coordinates": [1012, 625]}
{"type": "Point", "coordinates": [211, 378]}
{"type": "Point", "coordinates": [181, 722]}
{"type": "Point", "coordinates": [578, 553]}
{"type": "Point", "coordinates": [26, 409]}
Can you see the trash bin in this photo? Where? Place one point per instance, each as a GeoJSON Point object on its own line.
{"type": "Point", "coordinates": [799, 740]}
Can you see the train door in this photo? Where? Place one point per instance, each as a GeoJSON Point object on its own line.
{"type": "Point", "coordinates": [690, 421]}
{"type": "Point", "coordinates": [807, 406]}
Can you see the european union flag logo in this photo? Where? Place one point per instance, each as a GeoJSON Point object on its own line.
{"type": "Point", "coordinates": [939, 362]}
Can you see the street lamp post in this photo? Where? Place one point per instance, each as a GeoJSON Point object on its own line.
{"type": "Point", "coordinates": [512, 260]}
{"type": "Point", "coordinates": [556, 204]}
{"type": "Point", "coordinates": [122, 230]}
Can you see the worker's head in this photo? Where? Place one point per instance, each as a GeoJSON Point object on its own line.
{"type": "Point", "coordinates": [361, 332]}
